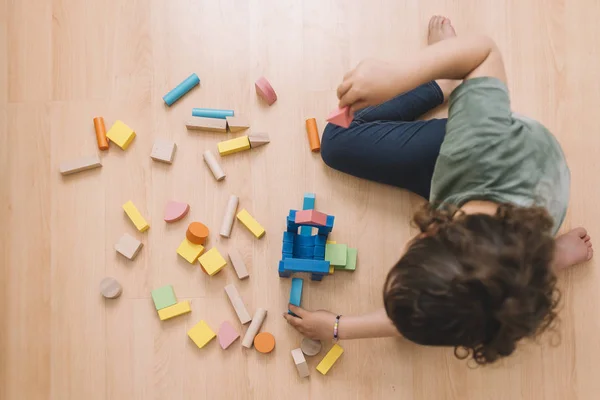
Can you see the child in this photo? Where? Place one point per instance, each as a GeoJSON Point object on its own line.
{"type": "Point", "coordinates": [481, 274]}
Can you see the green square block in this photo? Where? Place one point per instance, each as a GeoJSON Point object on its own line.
{"type": "Point", "coordinates": [336, 254]}
{"type": "Point", "coordinates": [352, 256]}
{"type": "Point", "coordinates": [164, 297]}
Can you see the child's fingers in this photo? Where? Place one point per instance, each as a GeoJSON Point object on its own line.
{"type": "Point", "coordinates": [357, 107]}
{"type": "Point", "coordinates": [343, 88]}
{"type": "Point", "coordinates": [351, 97]}
{"type": "Point", "coordinates": [297, 310]}
{"type": "Point", "coordinates": [293, 321]}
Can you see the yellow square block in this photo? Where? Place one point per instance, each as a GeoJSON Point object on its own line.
{"type": "Point", "coordinates": [233, 145]}
{"type": "Point", "coordinates": [120, 134]}
{"type": "Point", "coordinates": [330, 359]}
{"type": "Point", "coordinates": [176, 309]}
{"type": "Point", "coordinates": [135, 216]}
{"type": "Point", "coordinates": [190, 251]}
{"type": "Point", "coordinates": [250, 223]}
{"type": "Point", "coordinates": [212, 261]}
{"type": "Point", "coordinates": [201, 334]}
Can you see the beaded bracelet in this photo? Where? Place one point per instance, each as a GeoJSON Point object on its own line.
{"type": "Point", "coordinates": [335, 328]}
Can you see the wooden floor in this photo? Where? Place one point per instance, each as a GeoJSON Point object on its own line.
{"type": "Point", "coordinates": [62, 62]}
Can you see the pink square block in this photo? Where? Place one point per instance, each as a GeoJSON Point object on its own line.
{"type": "Point", "coordinates": [311, 217]}
{"type": "Point", "coordinates": [340, 117]}
{"type": "Point", "coordinates": [265, 90]}
{"type": "Point", "coordinates": [227, 335]}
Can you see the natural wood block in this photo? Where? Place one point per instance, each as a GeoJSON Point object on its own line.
{"type": "Point", "coordinates": [190, 251]}
{"type": "Point", "coordinates": [121, 135]}
{"type": "Point", "coordinates": [237, 123]}
{"type": "Point", "coordinates": [213, 165]}
{"type": "Point", "coordinates": [197, 233]}
{"type": "Point", "coordinates": [311, 347]}
{"type": "Point", "coordinates": [110, 288]}
{"type": "Point", "coordinates": [234, 145]}
{"type": "Point", "coordinates": [330, 358]}
{"type": "Point", "coordinates": [252, 331]}
{"type": "Point", "coordinates": [135, 216]}
{"type": "Point", "coordinates": [249, 222]}
{"type": "Point", "coordinates": [238, 263]}
{"type": "Point", "coordinates": [258, 139]}
{"type": "Point", "coordinates": [229, 216]}
{"type": "Point", "coordinates": [264, 342]}
{"type": "Point", "coordinates": [174, 211]}
{"type": "Point", "coordinates": [300, 362]}
{"type": "Point", "coordinates": [164, 297]}
{"type": "Point", "coordinates": [128, 246]}
{"type": "Point", "coordinates": [212, 261]}
{"type": "Point", "coordinates": [183, 307]}
{"type": "Point", "coordinates": [238, 304]}
{"type": "Point", "coordinates": [163, 150]}
{"type": "Point", "coordinates": [80, 164]}
{"type": "Point", "coordinates": [227, 335]}
{"type": "Point", "coordinates": [207, 124]}
{"type": "Point", "coordinates": [201, 334]}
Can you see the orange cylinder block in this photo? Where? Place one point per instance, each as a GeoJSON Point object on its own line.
{"type": "Point", "coordinates": [101, 133]}
{"type": "Point", "coordinates": [313, 134]}
{"type": "Point", "coordinates": [197, 233]}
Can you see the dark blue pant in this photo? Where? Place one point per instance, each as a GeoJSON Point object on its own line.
{"type": "Point", "coordinates": [385, 144]}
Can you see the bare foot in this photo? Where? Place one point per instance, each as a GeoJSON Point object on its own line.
{"type": "Point", "coordinates": [573, 247]}
{"type": "Point", "coordinates": [440, 28]}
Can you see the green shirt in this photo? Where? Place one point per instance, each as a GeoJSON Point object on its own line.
{"type": "Point", "coordinates": [490, 153]}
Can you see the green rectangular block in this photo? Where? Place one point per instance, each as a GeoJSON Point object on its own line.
{"type": "Point", "coordinates": [164, 297]}
{"type": "Point", "coordinates": [351, 261]}
{"type": "Point", "coordinates": [336, 254]}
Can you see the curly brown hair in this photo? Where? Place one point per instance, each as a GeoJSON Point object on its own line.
{"type": "Point", "coordinates": [477, 282]}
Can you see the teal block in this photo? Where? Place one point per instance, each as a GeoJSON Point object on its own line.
{"type": "Point", "coordinates": [307, 204]}
{"type": "Point", "coordinates": [181, 89]}
{"type": "Point", "coordinates": [164, 297]}
{"type": "Point", "coordinates": [336, 254]}
{"type": "Point", "coordinates": [211, 113]}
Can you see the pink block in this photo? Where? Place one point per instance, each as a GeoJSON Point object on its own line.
{"type": "Point", "coordinates": [265, 90]}
{"type": "Point", "coordinates": [311, 217]}
{"type": "Point", "coordinates": [174, 211]}
{"type": "Point", "coordinates": [340, 117]}
{"type": "Point", "coordinates": [227, 335]}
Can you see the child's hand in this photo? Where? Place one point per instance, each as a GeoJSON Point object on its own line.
{"type": "Point", "coordinates": [312, 324]}
{"type": "Point", "coordinates": [369, 84]}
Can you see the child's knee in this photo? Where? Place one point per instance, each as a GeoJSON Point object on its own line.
{"type": "Point", "coordinates": [330, 150]}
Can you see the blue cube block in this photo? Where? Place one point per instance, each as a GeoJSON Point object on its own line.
{"type": "Point", "coordinates": [316, 277]}
{"type": "Point", "coordinates": [289, 237]}
{"type": "Point", "coordinates": [282, 272]}
{"type": "Point", "coordinates": [285, 255]}
{"type": "Point", "coordinates": [287, 247]}
{"type": "Point", "coordinates": [319, 251]}
{"type": "Point", "coordinates": [304, 251]}
{"type": "Point", "coordinates": [304, 240]}
{"type": "Point", "coordinates": [320, 240]}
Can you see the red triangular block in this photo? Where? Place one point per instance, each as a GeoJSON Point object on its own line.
{"type": "Point", "coordinates": [340, 117]}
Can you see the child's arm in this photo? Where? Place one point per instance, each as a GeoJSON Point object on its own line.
{"type": "Point", "coordinates": [373, 82]}
{"type": "Point", "coordinates": [319, 324]}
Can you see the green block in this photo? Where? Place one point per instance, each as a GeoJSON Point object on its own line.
{"type": "Point", "coordinates": [164, 297]}
{"type": "Point", "coordinates": [336, 254]}
{"type": "Point", "coordinates": [351, 264]}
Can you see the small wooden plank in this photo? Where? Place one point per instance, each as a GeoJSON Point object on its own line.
{"type": "Point", "coordinates": [300, 363]}
{"type": "Point", "coordinates": [163, 150]}
{"type": "Point", "coordinates": [238, 263]}
{"type": "Point", "coordinates": [135, 216]}
{"type": "Point", "coordinates": [183, 307]}
{"type": "Point", "coordinates": [249, 222]}
{"type": "Point", "coordinates": [238, 304]}
{"type": "Point", "coordinates": [80, 164]}
{"type": "Point", "coordinates": [330, 358]}
{"type": "Point", "coordinates": [233, 145]}
{"type": "Point", "coordinates": [207, 124]}
{"type": "Point", "coordinates": [258, 139]}
{"type": "Point", "coordinates": [237, 123]}
{"type": "Point", "coordinates": [128, 246]}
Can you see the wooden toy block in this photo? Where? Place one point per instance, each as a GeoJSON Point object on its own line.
{"type": "Point", "coordinates": [313, 135]}
{"type": "Point", "coordinates": [197, 233]}
{"type": "Point", "coordinates": [80, 164]}
{"type": "Point", "coordinates": [330, 358]}
{"type": "Point", "coordinates": [121, 135]}
{"type": "Point", "coordinates": [207, 124]}
{"type": "Point", "coordinates": [340, 117]}
{"type": "Point", "coordinates": [258, 139]}
{"type": "Point", "coordinates": [303, 251]}
{"type": "Point", "coordinates": [296, 293]}
{"type": "Point", "coordinates": [331, 242]}
{"type": "Point", "coordinates": [311, 347]}
{"type": "Point", "coordinates": [237, 124]}
{"type": "Point", "coordinates": [128, 246]}
{"type": "Point", "coordinates": [201, 334]}
{"type": "Point", "coordinates": [252, 331]}
{"type": "Point", "coordinates": [212, 261]}
{"type": "Point", "coordinates": [326, 230]}
{"type": "Point", "coordinates": [100, 133]}
{"type": "Point", "coordinates": [229, 216]}
{"type": "Point", "coordinates": [320, 240]}
{"type": "Point", "coordinates": [110, 288]}
{"type": "Point", "coordinates": [289, 237]}
{"type": "Point", "coordinates": [302, 240]}
{"type": "Point", "coordinates": [183, 307]}
{"type": "Point", "coordinates": [227, 335]}
{"type": "Point", "coordinates": [311, 266]}
{"type": "Point", "coordinates": [163, 150]}
{"type": "Point", "coordinates": [249, 222]}
{"type": "Point", "coordinates": [265, 90]}
{"type": "Point", "coordinates": [233, 145]}
{"type": "Point", "coordinates": [164, 297]}
{"type": "Point", "coordinates": [350, 260]}
{"type": "Point", "coordinates": [319, 252]}
{"type": "Point", "coordinates": [238, 263]}
{"type": "Point", "coordinates": [238, 304]}
{"type": "Point", "coordinates": [331, 270]}
{"type": "Point", "coordinates": [311, 217]}
{"type": "Point", "coordinates": [308, 203]}
{"type": "Point", "coordinates": [264, 342]}
{"type": "Point", "coordinates": [213, 165]}
{"type": "Point", "coordinates": [300, 363]}
{"type": "Point", "coordinates": [175, 94]}
{"type": "Point", "coordinates": [336, 254]}
{"type": "Point", "coordinates": [174, 211]}
{"type": "Point", "coordinates": [135, 216]}
{"type": "Point", "coordinates": [317, 277]}
{"type": "Point", "coordinates": [212, 113]}
{"type": "Point", "coordinates": [288, 247]}
{"type": "Point", "coordinates": [190, 251]}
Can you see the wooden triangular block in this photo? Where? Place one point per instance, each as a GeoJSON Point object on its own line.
{"type": "Point", "coordinates": [258, 139]}
{"type": "Point", "coordinates": [237, 124]}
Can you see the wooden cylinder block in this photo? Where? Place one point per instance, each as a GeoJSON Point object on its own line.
{"type": "Point", "coordinates": [110, 288]}
{"type": "Point", "coordinates": [100, 133]}
{"type": "Point", "coordinates": [229, 216]}
{"type": "Point", "coordinates": [264, 342]}
{"type": "Point", "coordinates": [197, 233]}
{"type": "Point", "coordinates": [313, 134]}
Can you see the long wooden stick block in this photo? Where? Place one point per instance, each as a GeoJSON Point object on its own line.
{"type": "Point", "coordinates": [257, 321]}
